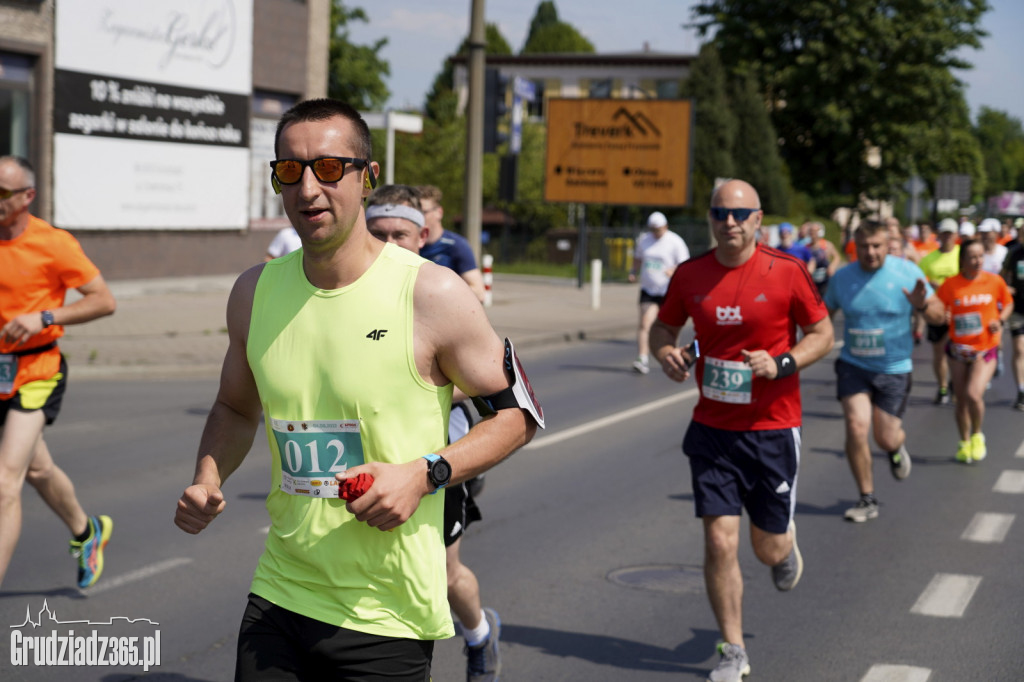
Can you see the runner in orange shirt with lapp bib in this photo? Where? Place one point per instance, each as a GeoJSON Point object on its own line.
{"type": "Point", "coordinates": [977, 305]}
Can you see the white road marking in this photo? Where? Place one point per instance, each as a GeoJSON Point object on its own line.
{"type": "Point", "coordinates": [610, 419]}
{"type": "Point", "coordinates": [896, 673]}
{"type": "Point", "coordinates": [988, 527]}
{"type": "Point", "coordinates": [1011, 482]}
{"type": "Point", "coordinates": [947, 595]}
{"type": "Point", "coordinates": [139, 574]}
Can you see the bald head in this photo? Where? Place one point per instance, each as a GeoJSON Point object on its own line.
{"type": "Point", "coordinates": [736, 193]}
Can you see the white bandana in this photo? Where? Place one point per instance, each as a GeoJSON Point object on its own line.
{"type": "Point", "coordinates": [395, 211]}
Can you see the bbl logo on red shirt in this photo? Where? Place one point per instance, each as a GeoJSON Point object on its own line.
{"type": "Point", "coordinates": [728, 315]}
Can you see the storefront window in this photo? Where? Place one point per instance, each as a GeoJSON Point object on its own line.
{"type": "Point", "coordinates": [15, 89]}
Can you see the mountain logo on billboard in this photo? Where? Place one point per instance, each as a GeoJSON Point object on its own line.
{"type": "Point", "coordinates": [624, 124]}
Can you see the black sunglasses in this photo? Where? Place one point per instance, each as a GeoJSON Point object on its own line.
{"type": "Point", "coordinates": [325, 169]}
{"type": "Point", "coordinates": [8, 193]}
{"type": "Point", "coordinates": [721, 213]}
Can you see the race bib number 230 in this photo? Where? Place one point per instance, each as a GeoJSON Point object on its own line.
{"type": "Point", "coordinates": [312, 452]}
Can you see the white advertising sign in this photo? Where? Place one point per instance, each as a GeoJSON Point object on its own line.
{"type": "Point", "coordinates": [151, 114]}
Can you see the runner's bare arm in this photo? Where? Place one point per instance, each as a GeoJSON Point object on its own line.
{"type": "Point", "coordinates": [455, 343]}
{"type": "Point", "coordinates": [233, 420]}
{"type": "Point", "coordinates": [930, 307]}
{"type": "Point", "coordinates": [674, 360]}
{"type": "Point", "coordinates": [96, 301]}
{"type": "Point", "coordinates": [475, 279]}
{"type": "Point", "coordinates": [817, 342]}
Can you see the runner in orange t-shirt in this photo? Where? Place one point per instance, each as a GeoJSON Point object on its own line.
{"type": "Point", "coordinates": [38, 264]}
{"type": "Point", "coordinates": [977, 303]}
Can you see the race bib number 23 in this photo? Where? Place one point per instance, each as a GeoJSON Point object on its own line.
{"type": "Point", "coordinates": [312, 452]}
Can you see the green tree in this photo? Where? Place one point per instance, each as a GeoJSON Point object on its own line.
{"type": "Point", "coordinates": [873, 75]}
{"type": "Point", "coordinates": [550, 35]}
{"type": "Point", "coordinates": [1001, 139]}
{"type": "Point", "coordinates": [442, 103]}
{"type": "Point", "coordinates": [356, 74]}
{"type": "Point", "coordinates": [546, 15]}
{"type": "Point", "coordinates": [755, 151]}
{"type": "Point", "coordinates": [558, 38]}
{"type": "Point", "coordinates": [716, 126]}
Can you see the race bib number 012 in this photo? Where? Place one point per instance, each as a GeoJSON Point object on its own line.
{"type": "Point", "coordinates": [727, 381]}
{"type": "Point", "coordinates": [312, 452]}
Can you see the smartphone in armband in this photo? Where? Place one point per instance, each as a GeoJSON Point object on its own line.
{"type": "Point", "coordinates": [693, 350]}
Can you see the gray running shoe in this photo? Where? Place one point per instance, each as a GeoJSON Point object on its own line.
{"type": "Point", "coordinates": [899, 463]}
{"type": "Point", "coordinates": [865, 510]}
{"type": "Point", "coordinates": [641, 367]}
{"type": "Point", "coordinates": [483, 662]}
{"type": "Point", "coordinates": [787, 574]}
{"type": "Point", "coordinates": [733, 665]}
{"type": "Point", "coordinates": [1019, 403]}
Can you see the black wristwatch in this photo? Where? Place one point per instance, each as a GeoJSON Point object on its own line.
{"type": "Point", "coordinates": [47, 318]}
{"type": "Point", "coordinates": [439, 471]}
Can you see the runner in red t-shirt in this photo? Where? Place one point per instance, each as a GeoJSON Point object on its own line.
{"type": "Point", "coordinates": [978, 304]}
{"type": "Point", "coordinates": [746, 302]}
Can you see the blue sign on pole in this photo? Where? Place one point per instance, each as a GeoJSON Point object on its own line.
{"type": "Point", "coordinates": [524, 88]}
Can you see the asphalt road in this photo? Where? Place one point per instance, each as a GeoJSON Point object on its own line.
{"type": "Point", "coordinates": [588, 549]}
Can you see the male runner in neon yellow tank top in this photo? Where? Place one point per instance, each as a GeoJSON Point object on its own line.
{"type": "Point", "coordinates": [348, 348]}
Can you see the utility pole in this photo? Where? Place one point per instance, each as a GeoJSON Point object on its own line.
{"type": "Point", "coordinates": [475, 127]}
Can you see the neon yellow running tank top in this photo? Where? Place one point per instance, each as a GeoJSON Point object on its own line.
{"type": "Point", "coordinates": [327, 363]}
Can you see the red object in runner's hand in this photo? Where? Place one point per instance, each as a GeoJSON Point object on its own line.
{"type": "Point", "coordinates": [353, 488]}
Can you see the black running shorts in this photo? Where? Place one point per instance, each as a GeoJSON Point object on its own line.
{"type": "Point", "coordinates": [278, 644]}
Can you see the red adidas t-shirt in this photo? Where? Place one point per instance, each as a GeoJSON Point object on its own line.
{"type": "Point", "coordinates": [756, 306]}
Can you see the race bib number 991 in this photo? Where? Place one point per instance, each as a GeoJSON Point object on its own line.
{"type": "Point", "coordinates": [312, 452]}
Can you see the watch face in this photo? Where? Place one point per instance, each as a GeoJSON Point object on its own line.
{"type": "Point", "coordinates": [440, 472]}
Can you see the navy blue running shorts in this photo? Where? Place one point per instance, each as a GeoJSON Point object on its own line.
{"type": "Point", "coordinates": [46, 395]}
{"type": "Point", "coordinates": [277, 644]}
{"type": "Point", "coordinates": [737, 470]}
{"type": "Point", "coordinates": [888, 392]}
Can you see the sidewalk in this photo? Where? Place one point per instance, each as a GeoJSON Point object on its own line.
{"type": "Point", "coordinates": [176, 326]}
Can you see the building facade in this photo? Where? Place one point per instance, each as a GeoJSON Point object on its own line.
{"type": "Point", "coordinates": [131, 155]}
{"type": "Point", "coordinates": [632, 75]}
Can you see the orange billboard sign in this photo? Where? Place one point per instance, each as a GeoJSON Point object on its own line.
{"type": "Point", "coordinates": [619, 151]}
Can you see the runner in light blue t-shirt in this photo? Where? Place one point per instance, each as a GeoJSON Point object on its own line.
{"type": "Point", "coordinates": [877, 334]}
{"type": "Point", "coordinates": [877, 295]}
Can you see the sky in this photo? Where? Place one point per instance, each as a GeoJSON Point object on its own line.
{"type": "Point", "coordinates": [422, 34]}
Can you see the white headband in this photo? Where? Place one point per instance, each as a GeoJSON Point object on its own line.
{"type": "Point", "coordinates": [395, 211]}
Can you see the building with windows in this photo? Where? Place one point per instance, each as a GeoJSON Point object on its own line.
{"type": "Point", "coordinates": [631, 75]}
{"type": "Point", "coordinates": [150, 125]}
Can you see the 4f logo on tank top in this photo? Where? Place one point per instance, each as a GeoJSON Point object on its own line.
{"type": "Point", "coordinates": [377, 334]}
{"type": "Point", "coordinates": [727, 315]}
